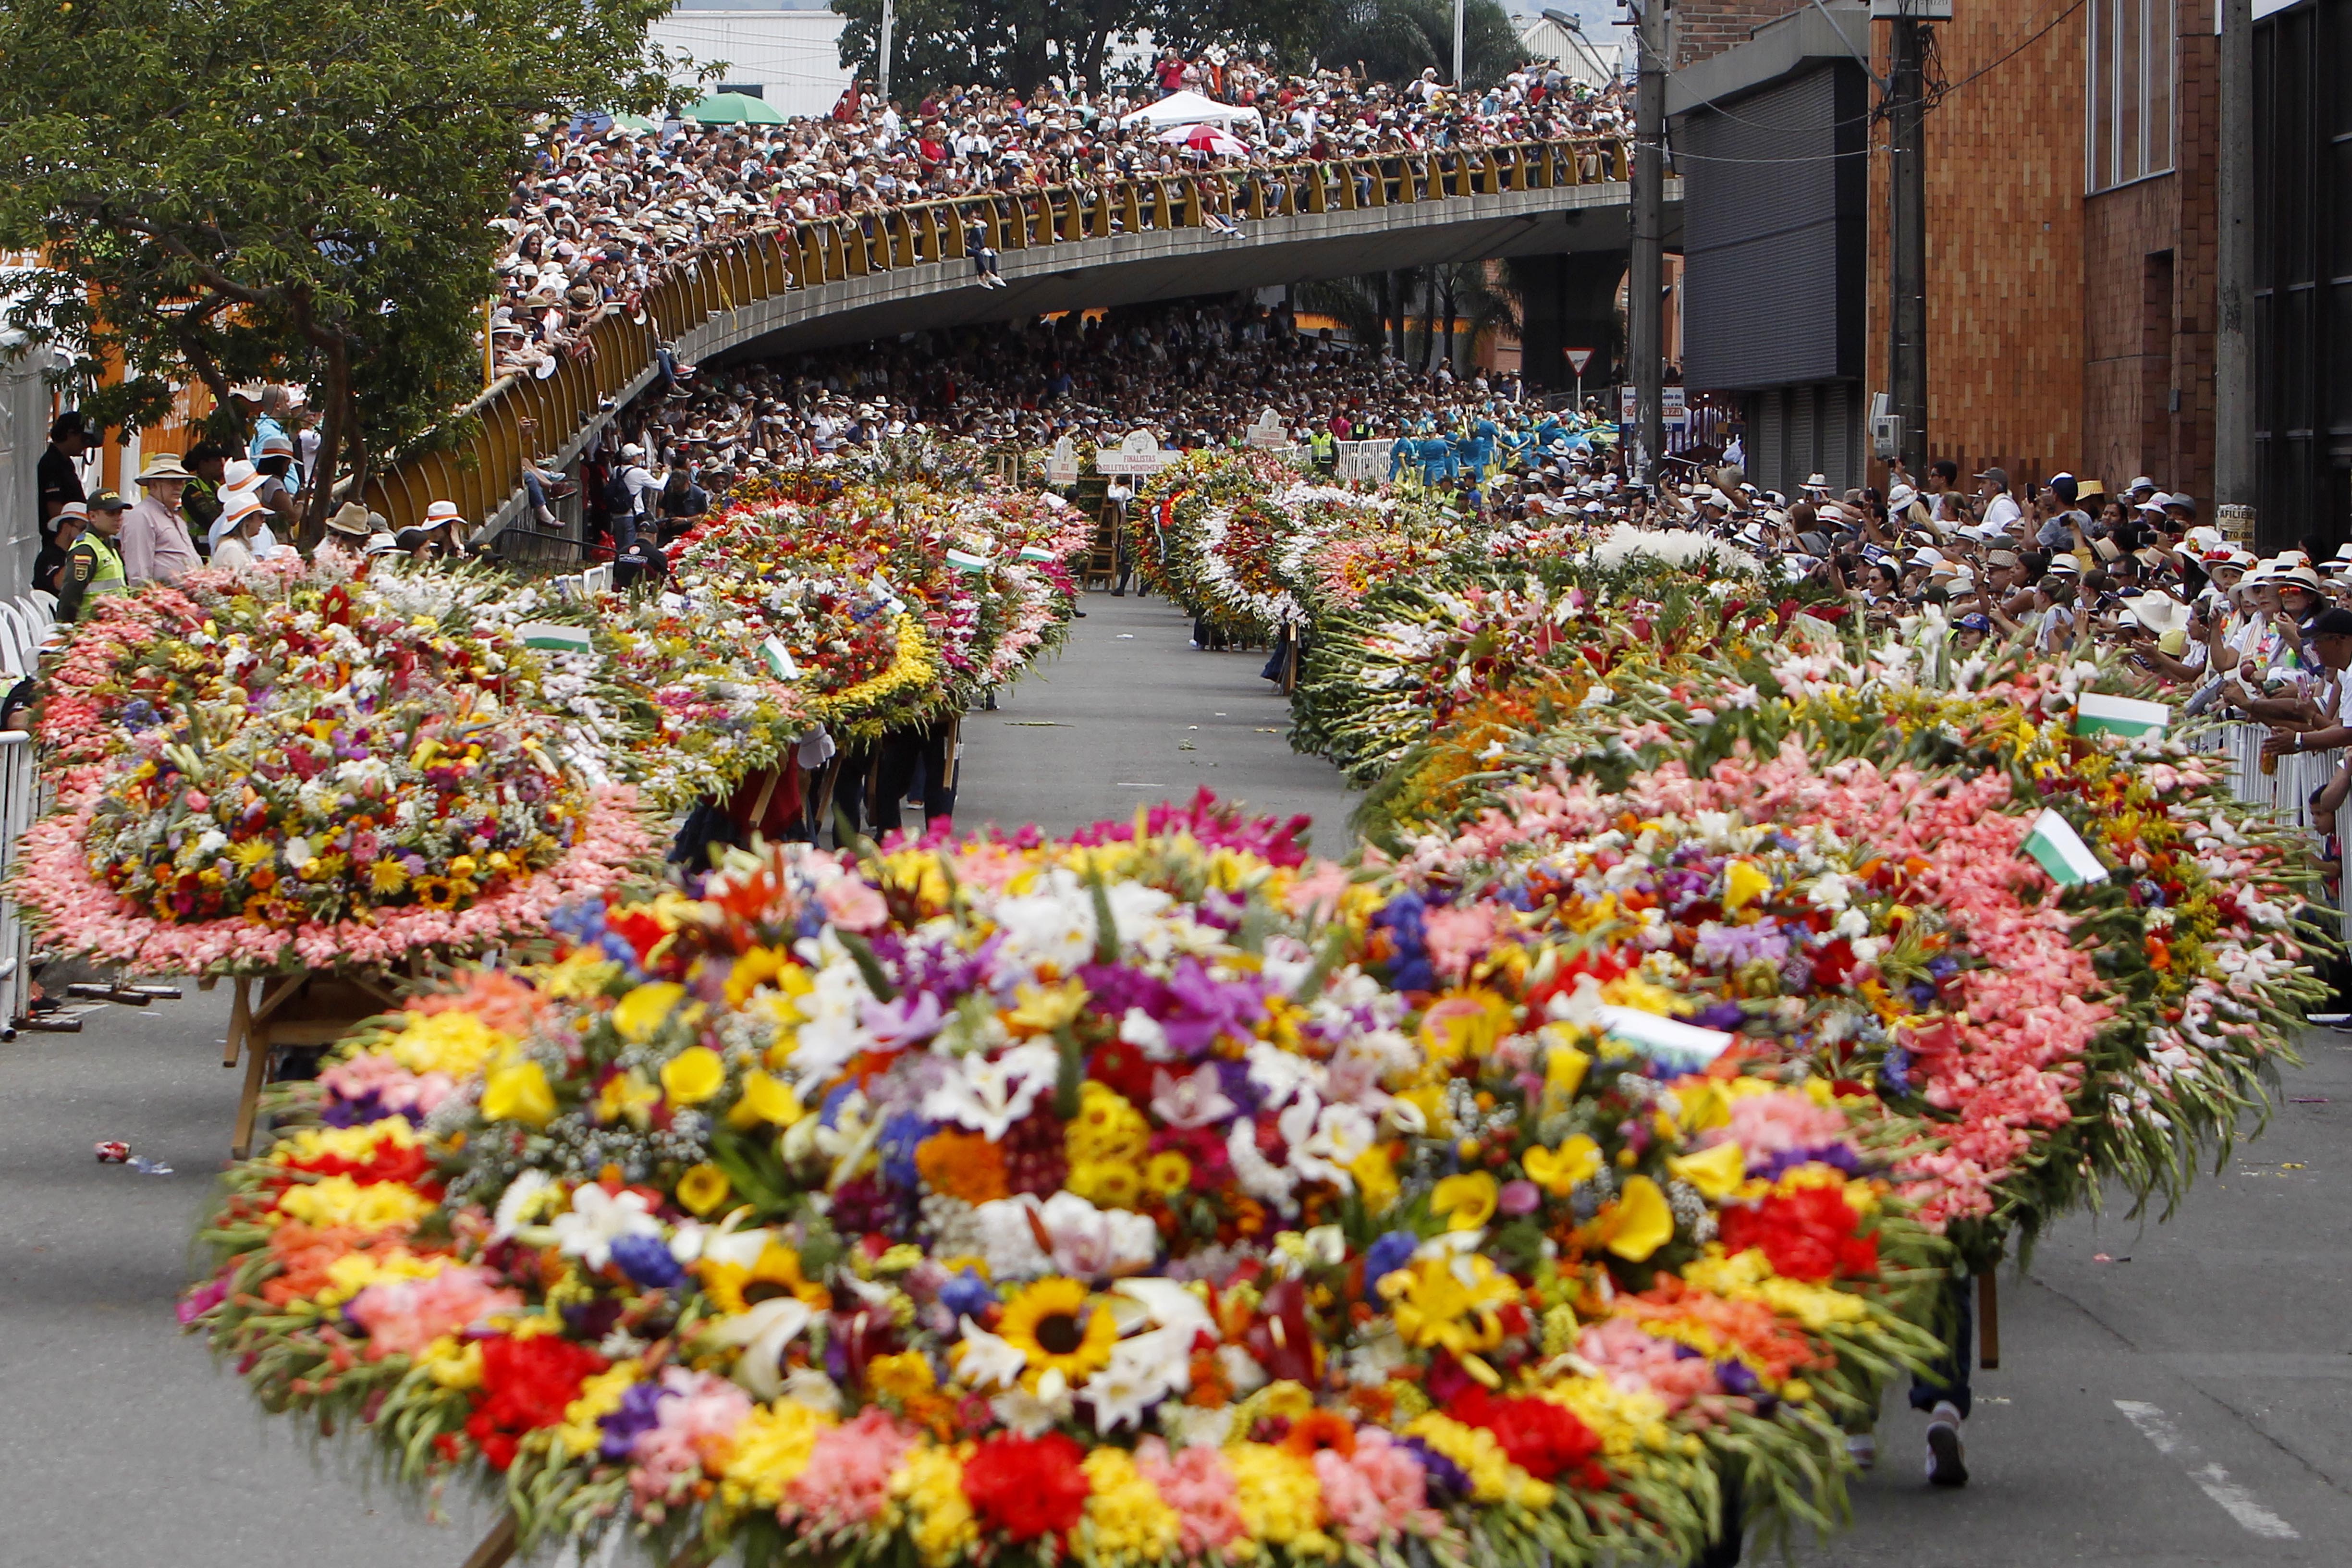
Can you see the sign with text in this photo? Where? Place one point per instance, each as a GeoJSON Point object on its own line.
{"type": "Point", "coordinates": [1137, 452]}
{"type": "Point", "coordinates": [1675, 400]}
{"type": "Point", "coordinates": [1062, 463]}
{"type": "Point", "coordinates": [1268, 434]}
{"type": "Point", "coordinates": [1578, 359]}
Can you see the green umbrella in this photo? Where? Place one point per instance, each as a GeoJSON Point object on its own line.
{"type": "Point", "coordinates": [636, 123]}
{"type": "Point", "coordinates": [735, 109]}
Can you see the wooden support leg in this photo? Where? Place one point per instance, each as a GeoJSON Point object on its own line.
{"type": "Point", "coordinates": [1989, 1321]}
{"type": "Point", "coordinates": [498, 1548]}
{"type": "Point", "coordinates": [240, 1019]}
{"type": "Point", "coordinates": [248, 1103]}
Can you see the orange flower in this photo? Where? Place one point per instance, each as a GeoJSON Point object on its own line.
{"type": "Point", "coordinates": [1321, 1429]}
{"type": "Point", "coordinates": [962, 1165]}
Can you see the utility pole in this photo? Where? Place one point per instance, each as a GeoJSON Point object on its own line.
{"type": "Point", "coordinates": [1907, 357]}
{"type": "Point", "coordinates": [890, 19]}
{"type": "Point", "coordinates": [1645, 286]}
{"type": "Point", "coordinates": [2235, 481]}
{"type": "Point", "coordinates": [1459, 7]}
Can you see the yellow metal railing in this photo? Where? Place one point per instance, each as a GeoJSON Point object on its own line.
{"type": "Point", "coordinates": [523, 417]}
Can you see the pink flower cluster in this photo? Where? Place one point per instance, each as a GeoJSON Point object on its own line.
{"type": "Point", "coordinates": [847, 1481]}
{"type": "Point", "coordinates": [402, 1316]}
{"type": "Point", "coordinates": [694, 1425]}
{"type": "Point", "coordinates": [76, 912]}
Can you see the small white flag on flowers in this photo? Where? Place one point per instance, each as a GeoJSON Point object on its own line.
{"type": "Point", "coordinates": [2098, 714]}
{"type": "Point", "coordinates": [1035, 553]}
{"type": "Point", "coordinates": [2058, 850]}
{"type": "Point", "coordinates": [555, 637]}
{"type": "Point", "coordinates": [779, 659]}
{"type": "Point", "coordinates": [1667, 1041]}
{"type": "Point", "coordinates": [965, 560]}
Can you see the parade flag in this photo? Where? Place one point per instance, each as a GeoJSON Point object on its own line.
{"type": "Point", "coordinates": [779, 659]}
{"type": "Point", "coordinates": [2060, 851]}
{"type": "Point", "coordinates": [557, 637]}
{"type": "Point", "coordinates": [1685, 1047]}
{"type": "Point", "coordinates": [2096, 714]}
{"type": "Point", "coordinates": [1035, 553]}
{"type": "Point", "coordinates": [965, 560]}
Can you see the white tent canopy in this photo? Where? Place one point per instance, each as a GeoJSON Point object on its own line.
{"type": "Point", "coordinates": [1191, 109]}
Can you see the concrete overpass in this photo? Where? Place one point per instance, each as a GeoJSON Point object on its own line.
{"type": "Point", "coordinates": [1559, 210]}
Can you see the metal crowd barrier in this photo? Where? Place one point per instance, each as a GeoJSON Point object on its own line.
{"type": "Point", "coordinates": [521, 416]}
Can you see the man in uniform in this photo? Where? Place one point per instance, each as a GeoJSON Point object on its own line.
{"type": "Point", "coordinates": [92, 567]}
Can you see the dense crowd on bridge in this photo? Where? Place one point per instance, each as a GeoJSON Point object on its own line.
{"type": "Point", "coordinates": [610, 210]}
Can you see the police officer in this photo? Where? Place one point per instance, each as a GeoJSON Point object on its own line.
{"type": "Point", "coordinates": [93, 566]}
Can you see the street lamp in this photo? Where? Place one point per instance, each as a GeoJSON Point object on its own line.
{"type": "Point", "coordinates": [1575, 30]}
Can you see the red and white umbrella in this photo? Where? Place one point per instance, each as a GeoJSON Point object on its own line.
{"type": "Point", "coordinates": [1204, 138]}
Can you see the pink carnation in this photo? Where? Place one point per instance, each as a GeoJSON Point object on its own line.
{"type": "Point", "coordinates": [849, 1474]}
{"type": "Point", "coordinates": [1377, 1492]}
{"type": "Point", "coordinates": [694, 1431]}
{"type": "Point", "coordinates": [402, 1316]}
{"type": "Point", "coordinates": [1197, 1484]}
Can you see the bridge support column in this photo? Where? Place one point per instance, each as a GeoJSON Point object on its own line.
{"type": "Point", "coordinates": [1570, 301]}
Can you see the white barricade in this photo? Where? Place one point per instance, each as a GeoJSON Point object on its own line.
{"type": "Point", "coordinates": [20, 803]}
{"type": "Point", "coordinates": [2285, 787]}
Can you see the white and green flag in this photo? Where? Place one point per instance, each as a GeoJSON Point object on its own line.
{"type": "Point", "coordinates": [779, 659]}
{"type": "Point", "coordinates": [1685, 1047]}
{"type": "Point", "coordinates": [965, 560]}
{"type": "Point", "coordinates": [2058, 850]}
{"type": "Point", "coordinates": [555, 637]}
{"type": "Point", "coordinates": [2097, 714]}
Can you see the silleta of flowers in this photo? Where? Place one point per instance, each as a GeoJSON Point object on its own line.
{"type": "Point", "coordinates": [316, 765]}
{"type": "Point", "coordinates": [1156, 1195]}
{"type": "Point", "coordinates": [341, 760]}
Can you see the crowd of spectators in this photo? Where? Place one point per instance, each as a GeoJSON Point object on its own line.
{"type": "Point", "coordinates": [610, 210]}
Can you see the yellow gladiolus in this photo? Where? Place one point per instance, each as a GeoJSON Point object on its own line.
{"type": "Point", "coordinates": [519, 1092]}
{"type": "Point", "coordinates": [1376, 1180]}
{"type": "Point", "coordinates": [1558, 1171]}
{"type": "Point", "coordinates": [1715, 1171]}
{"type": "Point", "coordinates": [1743, 884]}
{"type": "Point", "coordinates": [1639, 1222]}
{"type": "Point", "coordinates": [626, 1097]}
{"type": "Point", "coordinates": [1564, 1067]}
{"type": "Point", "coordinates": [765, 1098]}
{"type": "Point", "coordinates": [693, 1076]}
{"type": "Point", "coordinates": [703, 1187]}
{"type": "Point", "coordinates": [641, 1012]}
{"type": "Point", "coordinates": [1466, 1201]}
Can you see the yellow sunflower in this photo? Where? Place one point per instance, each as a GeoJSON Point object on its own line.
{"type": "Point", "coordinates": [735, 1289]}
{"type": "Point", "coordinates": [1051, 1324]}
{"type": "Point", "coordinates": [434, 892]}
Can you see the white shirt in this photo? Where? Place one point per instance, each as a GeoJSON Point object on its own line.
{"type": "Point", "coordinates": [2002, 511]}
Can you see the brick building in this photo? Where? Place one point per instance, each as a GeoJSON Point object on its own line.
{"type": "Point", "coordinates": [2071, 219]}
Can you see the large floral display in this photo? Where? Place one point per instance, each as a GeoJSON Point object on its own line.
{"type": "Point", "coordinates": [371, 761]}
{"type": "Point", "coordinates": [316, 764]}
{"type": "Point", "coordinates": [1159, 1195]}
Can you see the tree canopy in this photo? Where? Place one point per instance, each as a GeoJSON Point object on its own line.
{"type": "Point", "coordinates": [299, 190]}
{"type": "Point", "coordinates": [1019, 44]}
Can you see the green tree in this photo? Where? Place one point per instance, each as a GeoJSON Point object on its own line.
{"type": "Point", "coordinates": [1396, 40]}
{"type": "Point", "coordinates": [299, 190]}
{"type": "Point", "coordinates": [1013, 44]}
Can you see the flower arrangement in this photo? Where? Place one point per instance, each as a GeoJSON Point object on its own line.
{"type": "Point", "coordinates": [311, 767]}
{"type": "Point", "coordinates": [1158, 1194]}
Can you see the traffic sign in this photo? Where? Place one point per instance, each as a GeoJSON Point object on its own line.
{"type": "Point", "coordinates": [1578, 359]}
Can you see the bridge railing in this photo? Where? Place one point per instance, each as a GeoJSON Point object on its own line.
{"type": "Point", "coordinates": [523, 417]}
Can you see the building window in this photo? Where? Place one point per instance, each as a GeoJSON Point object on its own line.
{"type": "Point", "coordinates": [2131, 92]}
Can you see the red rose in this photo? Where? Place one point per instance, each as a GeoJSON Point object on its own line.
{"type": "Point", "coordinates": [525, 1384]}
{"type": "Point", "coordinates": [1026, 1487]}
{"type": "Point", "coordinates": [1808, 1235]}
{"type": "Point", "coordinates": [1542, 1437]}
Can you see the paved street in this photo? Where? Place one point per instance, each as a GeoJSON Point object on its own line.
{"type": "Point", "coordinates": [2183, 1403]}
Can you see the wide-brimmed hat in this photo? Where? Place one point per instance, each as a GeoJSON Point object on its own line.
{"type": "Point", "coordinates": [351, 519]}
{"type": "Point", "coordinates": [442, 511]}
{"type": "Point", "coordinates": [165, 465]}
